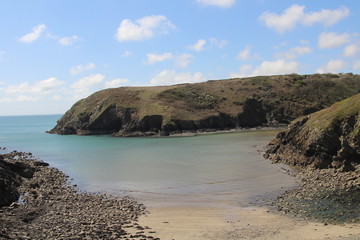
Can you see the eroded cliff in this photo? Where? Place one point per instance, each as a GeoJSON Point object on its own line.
{"type": "Point", "coordinates": [208, 106]}
{"type": "Point", "coordinates": [326, 139]}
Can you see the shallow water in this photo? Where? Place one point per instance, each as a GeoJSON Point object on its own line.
{"type": "Point", "coordinates": [218, 169]}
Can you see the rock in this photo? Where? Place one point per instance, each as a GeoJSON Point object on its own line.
{"type": "Point", "coordinates": [213, 105]}
{"type": "Point", "coordinates": [52, 209]}
{"type": "Point", "coordinates": [9, 181]}
{"type": "Point", "coordinates": [321, 140]}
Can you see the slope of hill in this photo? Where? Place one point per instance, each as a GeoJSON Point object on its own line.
{"type": "Point", "coordinates": [212, 105]}
{"type": "Point", "coordinates": [328, 138]}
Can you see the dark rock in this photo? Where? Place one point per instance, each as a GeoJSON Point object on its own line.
{"type": "Point", "coordinates": [253, 113]}
{"type": "Point", "coordinates": [8, 187]}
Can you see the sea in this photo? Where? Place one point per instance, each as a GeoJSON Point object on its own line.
{"type": "Point", "coordinates": [222, 170]}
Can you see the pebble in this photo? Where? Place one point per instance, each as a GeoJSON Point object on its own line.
{"type": "Point", "coordinates": [53, 209]}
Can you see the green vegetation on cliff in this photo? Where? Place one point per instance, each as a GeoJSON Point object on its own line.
{"type": "Point", "coordinates": [327, 138]}
{"type": "Point", "coordinates": [215, 105]}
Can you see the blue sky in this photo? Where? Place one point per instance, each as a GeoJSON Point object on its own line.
{"type": "Point", "coordinates": [53, 53]}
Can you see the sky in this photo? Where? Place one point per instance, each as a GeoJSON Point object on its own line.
{"type": "Point", "coordinates": [54, 53]}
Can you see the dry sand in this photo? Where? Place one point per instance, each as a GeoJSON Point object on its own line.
{"type": "Point", "coordinates": [183, 223]}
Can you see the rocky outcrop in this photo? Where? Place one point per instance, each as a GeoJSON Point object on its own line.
{"type": "Point", "coordinates": [12, 173]}
{"type": "Point", "coordinates": [210, 106]}
{"type": "Point", "coordinates": [326, 139]}
{"type": "Point", "coordinates": [50, 208]}
{"type": "Point", "coordinates": [9, 181]}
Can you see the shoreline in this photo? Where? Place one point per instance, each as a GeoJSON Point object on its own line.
{"type": "Point", "coordinates": [235, 130]}
{"type": "Point", "coordinates": [51, 208]}
{"type": "Point", "coordinates": [187, 223]}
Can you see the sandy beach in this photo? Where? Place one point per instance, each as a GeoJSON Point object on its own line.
{"type": "Point", "coordinates": [184, 223]}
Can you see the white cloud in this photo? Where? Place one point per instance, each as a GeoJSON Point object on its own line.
{"type": "Point", "coordinates": [88, 81]}
{"type": "Point", "coordinates": [351, 50]}
{"type": "Point", "coordinates": [86, 85]}
{"type": "Point", "coordinates": [217, 3]}
{"type": "Point", "coordinates": [268, 68]}
{"type": "Point", "coordinates": [24, 98]}
{"type": "Point", "coordinates": [44, 86]}
{"type": "Point", "coordinates": [326, 17]}
{"type": "Point", "coordinates": [126, 54]}
{"type": "Point", "coordinates": [153, 58]}
{"type": "Point", "coordinates": [356, 65]}
{"type": "Point", "coordinates": [333, 66]}
{"type": "Point", "coordinates": [295, 15]}
{"type": "Point", "coordinates": [293, 53]}
{"type": "Point", "coordinates": [34, 35]}
{"type": "Point", "coordinates": [143, 28]}
{"type": "Point", "coordinates": [218, 43]}
{"type": "Point", "coordinates": [183, 60]}
{"type": "Point", "coordinates": [67, 41]}
{"type": "Point", "coordinates": [198, 46]}
{"type": "Point", "coordinates": [245, 71]}
{"type": "Point", "coordinates": [169, 77]}
{"type": "Point", "coordinates": [210, 43]}
{"type": "Point", "coordinates": [115, 83]}
{"type": "Point", "coordinates": [332, 40]}
{"type": "Point", "coordinates": [285, 21]}
{"type": "Point", "coordinates": [244, 54]}
{"type": "Point", "coordinates": [82, 68]}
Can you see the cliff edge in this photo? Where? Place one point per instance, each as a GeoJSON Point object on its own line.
{"type": "Point", "coordinates": [329, 138]}
{"type": "Point", "coordinates": [207, 106]}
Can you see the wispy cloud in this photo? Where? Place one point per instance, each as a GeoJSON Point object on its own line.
{"type": "Point", "coordinates": [356, 65]}
{"type": "Point", "coordinates": [333, 66]}
{"type": "Point", "coordinates": [44, 86]}
{"type": "Point", "coordinates": [170, 77]}
{"type": "Point", "coordinates": [115, 83]}
{"type": "Point", "coordinates": [183, 60]}
{"type": "Point", "coordinates": [295, 15]}
{"type": "Point", "coordinates": [82, 68]}
{"type": "Point", "coordinates": [294, 52]}
{"type": "Point", "coordinates": [332, 40]}
{"type": "Point", "coordinates": [126, 54]}
{"type": "Point", "coordinates": [88, 81]}
{"type": "Point", "coordinates": [68, 41]}
{"type": "Point", "coordinates": [198, 46]}
{"type": "Point", "coordinates": [203, 44]}
{"type": "Point", "coordinates": [351, 50]}
{"type": "Point", "coordinates": [143, 28]}
{"type": "Point", "coordinates": [279, 66]}
{"type": "Point", "coordinates": [86, 85]}
{"type": "Point", "coordinates": [217, 3]}
{"type": "Point", "coordinates": [245, 54]}
{"type": "Point", "coordinates": [153, 58]}
{"type": "Point", "coordinates": [34, 34]}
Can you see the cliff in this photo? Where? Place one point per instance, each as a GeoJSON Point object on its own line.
{"type": "Point", "coordinates": [212, 105]}
{"type": "Point", "coordinates": [329, 138]}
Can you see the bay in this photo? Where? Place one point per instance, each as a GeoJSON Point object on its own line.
{"type": "Point", "coordinates": [214, 170]}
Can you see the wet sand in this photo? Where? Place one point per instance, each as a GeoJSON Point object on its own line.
{"type": "Point", "coordinates": [185, 223]}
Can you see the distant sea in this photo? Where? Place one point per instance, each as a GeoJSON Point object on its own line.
{"type": "Point", "coordinates": [217, 170]}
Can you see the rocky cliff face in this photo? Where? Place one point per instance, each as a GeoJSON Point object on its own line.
{"type": "Point", "coordinates": [213, 105]}
{"type": "Point", "coordinates": [326, 139]}
{"type": "Point", "coordinates": [13, 170]}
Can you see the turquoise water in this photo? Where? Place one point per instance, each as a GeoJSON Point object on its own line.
{"type": "Point", "coordinates": [219, 169]}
